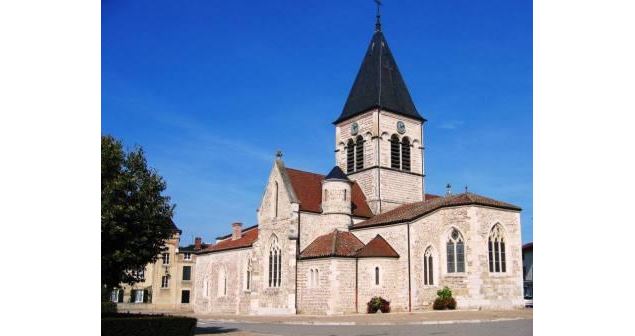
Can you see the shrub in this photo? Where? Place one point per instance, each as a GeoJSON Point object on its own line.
{"type": "Point", "coordinates": [444, 300]}
{"type": "Point", "coordinates": [444, 293]}
{"type": "Point", "coordinates": [108, 307]}
{"type": "Point", "coordinates": [146, 325]}
{"type": "Point", "coordinates": [378, 303]}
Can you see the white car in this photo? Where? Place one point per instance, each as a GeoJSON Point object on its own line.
{"type": "Point", "coordinates": [529, 301]}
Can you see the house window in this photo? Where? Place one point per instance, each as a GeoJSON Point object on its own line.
{"type": "Point", "coordinates": [455, 252]}
{"type": "Point", "coordinates": [185, 296]}
{"type": "Point", "coordinates": [394, 152]}
{"type": "Point", "coordinates": [165, 281]}
{"type": "Point", "coordinates": [428, 268]}
{"type": "Point", "coordinates": [187, 273]}
{"type": "Point", "coordinates": [166, 258]}
{"type": "Point", "coordinates": [350, 156]}
{"type": "Point", "coordinates": [376, 275]}
{"type": "Point", "coordinates": [359, 153]}
{"type": "Point", "coordinates": [138, 296]}
{"type": "Point", "coordinates": [496, 250]}
{"type": "Point", "coordinates": [405, 154]}
{"type": "Point", "coordinates": [187, 256]}
{"type": "Point", "coordinates": [140, 274]}
{"type": "Point", "coordinates": [275, 264]}
{"type": "Point", "coordinates": [115, 294]}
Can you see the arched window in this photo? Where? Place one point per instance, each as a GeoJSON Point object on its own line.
{"type": "Point", "coordinates": [428, 267]}
{"type": "Point", "coordinates": [206, 286]}
{"type": "Point", "coordinates": [405, 154]}
{"type": "Point", "coordinates": [326, 195]}
{"type": "Point", "coordinates": [394, 152]}
{"type": "Point", "coordinates": [376, 275]}
{"type": "Point", "coordinates": [312, 278]}
{"type": "Point", "coordinates": [359, 153]}
{"type": "Point", "coordinates": [222, 283]}
{"type": "Point", "coordinates": [350, 156]}
{"type": "Point", "coordinates": [456, 252]}
{"type": "Point", "coordinates": [248, 276]}
{"type": "Point", "coordinates": [275, 263]}
{"type": "Point", "coordinates": [496, 248]}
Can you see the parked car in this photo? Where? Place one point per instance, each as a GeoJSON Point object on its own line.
{"type": "Point", "coordinates": [529, 301]}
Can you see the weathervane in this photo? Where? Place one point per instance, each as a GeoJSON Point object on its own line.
{"type": "Point", "coordinates": [378, 23]}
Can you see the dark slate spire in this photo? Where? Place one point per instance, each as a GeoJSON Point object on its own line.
{"type": "Point", "coordinates": [336, 174]}
{"type": "Point", "coordinates": [379, 83]}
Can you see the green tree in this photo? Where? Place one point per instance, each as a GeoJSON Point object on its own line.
{"type": "Point", "coordinates": [136, 219]}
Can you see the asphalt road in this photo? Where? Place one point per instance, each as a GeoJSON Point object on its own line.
{"type": "Point", "coordinates": [502, 328]}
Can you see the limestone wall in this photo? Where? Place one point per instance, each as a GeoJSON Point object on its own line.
{"type": "Point", "coordinates": [333, 293]}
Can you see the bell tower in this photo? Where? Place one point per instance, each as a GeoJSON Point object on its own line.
{"type": "Point", "coordinates": [379, 134]}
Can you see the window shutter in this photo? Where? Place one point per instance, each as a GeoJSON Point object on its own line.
{"type": "Point", "coordinates": [145, 296]}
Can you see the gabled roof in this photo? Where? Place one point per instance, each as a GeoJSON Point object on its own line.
{"type": "Point", "coordinates": [249, 236]}
{"type": "Point", "coordinates": [411, 211]}
{"type": "Point", "coordinates": [379, 84]}
{"type": "Point", "coordinates": [308, 190]}
{"type": "Point", "coordinates": [334, 244]}
{"type": "Point", "coordinates": [377, 247]}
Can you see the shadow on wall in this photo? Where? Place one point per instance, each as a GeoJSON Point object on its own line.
{"type": "Point", "coordinates": [213, 330]}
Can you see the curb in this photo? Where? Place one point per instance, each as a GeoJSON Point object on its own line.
{"type": "Point", "coordinates": [364, 323]}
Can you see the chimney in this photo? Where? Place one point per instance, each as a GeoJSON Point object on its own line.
{"type": "Point", "coordinates": [197, 243]}
{"type": "Point", "coordinates": [237, 230]}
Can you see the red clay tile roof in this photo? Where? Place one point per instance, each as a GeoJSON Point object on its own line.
{"type": "Point", "coordinates": [377, 247]}
{"type": "Point", "coordinates": [249, 236]}
{"type": "Point", "coordinates": [308, 189]}
{"type": "Point", "coordinates": [411, 211]}
{"type": "Point", "coordinates": [243, 230]}
{"type": "Point", "coordinates": [334, 244]}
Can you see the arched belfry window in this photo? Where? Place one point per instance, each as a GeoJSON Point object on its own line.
{"type": "Point", "coordinates": [496, 249]}
{"type": "Point", "coordinates": [394, 152]}
{"type": "Point", "coordinates": [275, 263]}
{"type": "Point", "coordinates": [359, 153]}
{"type": "Point", "coordinates": [405, 154]}
{"type": "Point", "coordinates": [455, 252]}
{"type": "Point", "coordinates": [350, 156]}
{"type": "Point", "coordinates": [428, 267]}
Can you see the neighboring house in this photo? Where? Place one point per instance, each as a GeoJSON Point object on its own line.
{"type": "Point", "coordinates": [168, 282]}
{"type": "Point", "coordinates": [528, 270]}
{"type": "Point", "coordinates": [326, 244]}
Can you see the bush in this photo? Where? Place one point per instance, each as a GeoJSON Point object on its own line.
{"type": "Point", "coordinates": [108, 307]}
{"type": "Point", "coordinates": [146, 325]}
{"type": "Point", "coordinates": [444, 300]}
{"type": "Point", "coordinates": [378, 303]}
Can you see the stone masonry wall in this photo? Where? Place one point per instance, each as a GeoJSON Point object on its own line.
{"type": "Point", "coordinates": [335, 291]}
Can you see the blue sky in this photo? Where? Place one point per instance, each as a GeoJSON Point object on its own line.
{"type": "Point", "coordinates": [211, 89]}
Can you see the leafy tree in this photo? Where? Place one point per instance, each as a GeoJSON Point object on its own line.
{"type": "Point", "coordinates": [136, 219]}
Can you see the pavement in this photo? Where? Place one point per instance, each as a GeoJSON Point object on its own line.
{"type": "Point", "coordinates": [425, 317]}
{"type": "Point", "coordinates": [520, 327]}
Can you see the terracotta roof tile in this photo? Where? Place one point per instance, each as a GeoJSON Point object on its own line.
{"type": "Point", "coordinates": [308, 189]}
{"type": "Point", "coordinates": [334, 244]}
{"type": "Point", "coordinates": [249, 236]}
{"type": "Point", "coordinates": [408, 212]}
{"type": "Point", "coordinates": [377, 247]}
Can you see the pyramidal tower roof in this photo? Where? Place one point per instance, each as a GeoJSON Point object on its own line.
{"type": "Point", "coordinates": [379, 83]}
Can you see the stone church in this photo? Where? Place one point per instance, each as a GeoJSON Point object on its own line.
{"type": "Point", "coordinates": [326, 244]}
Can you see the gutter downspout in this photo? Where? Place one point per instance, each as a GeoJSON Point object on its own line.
{"type": "Point", "coordinates": [356, 285]}
{"type": "Point", "coordinates": [297, 259]}
{"type": "Point", "coordinates": [409, 286]}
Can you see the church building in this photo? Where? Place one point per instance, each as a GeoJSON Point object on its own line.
{"type": "Point", "coordinates": [327, 244]}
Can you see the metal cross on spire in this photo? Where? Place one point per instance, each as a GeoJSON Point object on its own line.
{"type": "Point", "coordinates": [378, 22]}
